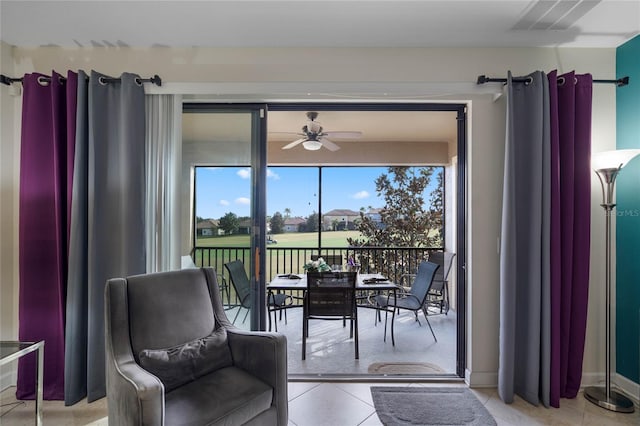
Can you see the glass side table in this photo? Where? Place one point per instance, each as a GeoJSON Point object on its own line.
{"type": "Point", "coordinates": [10, 351]}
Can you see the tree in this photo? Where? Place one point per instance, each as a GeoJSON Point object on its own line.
{"type": "Point", "coordinates": [229, 223]}
{"type": "Point", "coordinates": [404, 220]}
{"type": "Point", "coordinates": [437, 208]}
{"type": "Point", "coordinates": [287, 212]}
{"type": "Point", "coordinates": [277, 223]}
{"type": "Point", "coordinates": [312, 223]}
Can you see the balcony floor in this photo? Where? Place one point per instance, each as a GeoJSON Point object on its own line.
{"type": "Point", "coordinates": [330, 351]}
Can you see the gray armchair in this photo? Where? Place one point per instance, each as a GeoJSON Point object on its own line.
{"type": "Point", "coordinates": [205, 371]}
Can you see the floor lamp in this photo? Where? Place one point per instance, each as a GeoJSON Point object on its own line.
{"type": "Point", "coordinates": [607, 164]}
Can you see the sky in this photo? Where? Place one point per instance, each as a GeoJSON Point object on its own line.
{"type": "Point", "coordinates": [220, 190]}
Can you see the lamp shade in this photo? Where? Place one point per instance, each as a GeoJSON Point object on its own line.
{"type": "Point", "coordinates": [615, 159]}
{"type": "Point", "coordinates": [312, 145]}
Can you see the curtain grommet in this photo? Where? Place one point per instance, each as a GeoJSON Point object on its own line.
{"type": "Point", "coordinates": [138, 81]}
{"type": "Point", "coordinates": [102, 81]}
{"type": "Point", "coordinates": [43, 81]}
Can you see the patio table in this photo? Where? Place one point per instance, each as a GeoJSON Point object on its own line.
{"type": "Point", "coordinates": [367, 284]}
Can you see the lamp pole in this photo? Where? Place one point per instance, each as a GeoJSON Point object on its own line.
{"type": "Point", "coordinates": [607, 397]}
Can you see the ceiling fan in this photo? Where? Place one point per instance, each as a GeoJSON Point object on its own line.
{"type": "Point", "coordinates": [314, 137]}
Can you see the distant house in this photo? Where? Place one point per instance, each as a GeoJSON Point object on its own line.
{"type": "Point", "coordinates": [207, 228]}
{"type": "Point", "coordinates": [244, 227]}
{"type": "Point", "coordinates": [293, 224]}
{"type": "Point", "coordinates": [374, 215]}
{"type": "Point", "coordinates": [340, 220]}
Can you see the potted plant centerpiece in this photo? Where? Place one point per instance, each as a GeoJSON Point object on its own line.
{"type": "Point", "coordinates": [316, 266]}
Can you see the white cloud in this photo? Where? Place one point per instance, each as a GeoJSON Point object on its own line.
{"type": "Point", "coordinates": [244, 173]}
{"type": "Point", "coordinates": [223, 202]}
{"type": "Point", "coordinates": [243, 200]}
{"type": "Point", "coordinates": [272, 174]}
{"type": "Point", "coordinates": [360, 195]}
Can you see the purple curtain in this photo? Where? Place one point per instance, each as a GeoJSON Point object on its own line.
{"type": "Point", "coordinates": [46, 170]}
{"type": "Point", "coordinates": [571, 100]}
{"type": "Point", "coordinates": [545, 238]}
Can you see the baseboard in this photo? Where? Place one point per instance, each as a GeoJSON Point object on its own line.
{"type": "Point", "coordinates": [629, 387]}
{"type": "Point", "coordinates": [592, 379]}
{"type": "Point", "coordinates": [483, 379]}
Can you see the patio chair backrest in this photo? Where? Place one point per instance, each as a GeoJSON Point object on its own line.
{"type": "Point", "coordinates": [240, 281]}
{"type": "Point", "coordinates": [331, 294]}
{"type": "Point", "coordinates": [424, 279]}
{"type": "Point", "coordinates": [445, 260]}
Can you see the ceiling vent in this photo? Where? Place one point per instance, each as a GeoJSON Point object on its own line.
{"type": "Point", "coordinates": [554, 15]}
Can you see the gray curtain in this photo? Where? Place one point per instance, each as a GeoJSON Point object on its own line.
{"type": "Point", "coordinates": [75, 358]}
{"type": "Point", "coordinates": [112, 214]}
{"type": "Point", "coordinates": [524, 254]}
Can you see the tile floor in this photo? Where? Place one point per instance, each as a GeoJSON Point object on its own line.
{"type": "Point", "coordinates": [336, 404]}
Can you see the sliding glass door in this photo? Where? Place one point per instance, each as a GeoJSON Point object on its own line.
{"type": "Point", "coordinates": [225, 158]}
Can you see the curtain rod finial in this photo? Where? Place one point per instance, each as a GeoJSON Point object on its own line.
{"type": "Point", "coordinates": [482, 79]}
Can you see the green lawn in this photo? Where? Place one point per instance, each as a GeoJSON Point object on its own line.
{"type": "Point", "coordinates": [289, 239]}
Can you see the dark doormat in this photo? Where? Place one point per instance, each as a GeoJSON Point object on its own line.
{"type": "Point", "coordinates": [429, 406]}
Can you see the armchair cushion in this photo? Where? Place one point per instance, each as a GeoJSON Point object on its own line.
{"type": "Point", "coordinates": [182, 364]}
{"type": "Point", "coordinates": [229, 396]}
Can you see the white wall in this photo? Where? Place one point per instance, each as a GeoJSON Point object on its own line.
{"type": "Point", "coordinates": [391, 71]}
{"type": "Point", "coordinates": [9, 152]}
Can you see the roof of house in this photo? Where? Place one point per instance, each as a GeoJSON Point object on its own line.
{"type": "Point", "coordinates": [294, 220]}
{"type": "Point", "coordinates": [208, 223]}
{"type": "Point", "coordinates": [341, 212]}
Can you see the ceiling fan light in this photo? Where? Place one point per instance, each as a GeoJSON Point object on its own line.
{"type": "Point", "coordinates": [312, 145]}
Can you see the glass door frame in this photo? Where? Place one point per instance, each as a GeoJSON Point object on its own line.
{"type": "Point", "coordinates": [259, 184]}
{"type": "Point", "coordinates": [258, 164]}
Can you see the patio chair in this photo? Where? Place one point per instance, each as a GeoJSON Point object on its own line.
{"type": "Point", "coordinates": [415, 299]}
{"type": "Point", "coordinates": [439, 292]}
{"type": "Point", "coordinates": [173, 357]}
{"type": "Point", "coordinates": [330, 296]}
{"type": "Point", "coordinates": [241, 284]}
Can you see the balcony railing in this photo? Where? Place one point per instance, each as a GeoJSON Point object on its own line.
{"type": "Point", "coordinates": [393, 262]}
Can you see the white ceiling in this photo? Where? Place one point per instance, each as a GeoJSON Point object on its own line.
{"type": "Point", "coordinates": [320, 23]}
{"type": "Point", "coordinates": [326, 23]}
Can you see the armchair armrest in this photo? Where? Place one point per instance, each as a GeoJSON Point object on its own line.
{"type": "Point", "coordinates": [264, 355]}
{"type": "Point", "coordinates": [136, 394]}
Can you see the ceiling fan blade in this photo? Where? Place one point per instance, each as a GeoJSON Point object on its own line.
{"type": "Point", "coordinates": [287, 133]}
{"type": "Point", "coordinates": [294, 143]}
{"type": "Point", "coordinates": [328, 144]}
{"type": "Point", "coordinates": [344, 135]}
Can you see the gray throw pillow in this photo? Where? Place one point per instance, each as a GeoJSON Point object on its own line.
{"type": "Point", "coordinates": [182, 364]}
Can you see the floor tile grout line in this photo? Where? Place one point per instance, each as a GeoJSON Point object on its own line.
{"type": "Point", "coordinates": [368, 417]}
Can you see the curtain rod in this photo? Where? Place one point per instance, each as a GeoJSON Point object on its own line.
{"type": "Point", "coordinates": [484, 79]}
{"type": "Point", "coordinates": [155, 80]}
